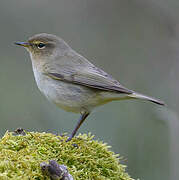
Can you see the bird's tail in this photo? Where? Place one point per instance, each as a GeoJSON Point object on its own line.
{"type": "Point", "coordinates": [144, 97]}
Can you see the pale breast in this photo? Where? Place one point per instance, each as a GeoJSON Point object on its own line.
{"type": "Point", "coordinates": [67, 96]}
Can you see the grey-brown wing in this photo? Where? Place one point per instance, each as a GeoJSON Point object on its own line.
{"type": "Point", "coordinates": [91, 77]}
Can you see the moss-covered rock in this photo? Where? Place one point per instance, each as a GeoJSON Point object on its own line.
{"type": "Point", "coordinates": [86, 159]}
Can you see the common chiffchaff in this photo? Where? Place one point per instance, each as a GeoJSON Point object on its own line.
{"type": "Point", "coordinates": [70, 81]}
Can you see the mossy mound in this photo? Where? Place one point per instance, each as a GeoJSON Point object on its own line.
{"type": "Point", "coordinates": [86, 159]}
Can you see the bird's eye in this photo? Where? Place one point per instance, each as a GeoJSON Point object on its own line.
{"type": "Point", "coordinates": [41, 45]}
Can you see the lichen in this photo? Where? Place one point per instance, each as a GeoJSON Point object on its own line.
{"type": "Point", "coordinates": [86, 158]}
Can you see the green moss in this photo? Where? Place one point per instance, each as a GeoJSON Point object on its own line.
{"type": "Point", "coordinates": [20, 157]}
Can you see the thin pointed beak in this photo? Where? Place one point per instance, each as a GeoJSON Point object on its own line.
{"type": "Point", "coordinates": [25, 44]}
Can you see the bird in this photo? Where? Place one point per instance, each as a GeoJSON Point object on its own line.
{"type": "Point", "coordinates": [70, 81]}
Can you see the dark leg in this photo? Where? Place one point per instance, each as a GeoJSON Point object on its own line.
{"type": "Point", "coordinates": [80, 121]}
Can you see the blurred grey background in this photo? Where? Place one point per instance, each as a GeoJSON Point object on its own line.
{"type": "Point", "coordinates": [135, 41]}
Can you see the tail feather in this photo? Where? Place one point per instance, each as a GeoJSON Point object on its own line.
{"type": "Point", "coordinates": [141, 96]}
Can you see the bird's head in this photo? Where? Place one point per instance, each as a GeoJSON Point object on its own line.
{"type": "Point", "coordinates": [41, 46]}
